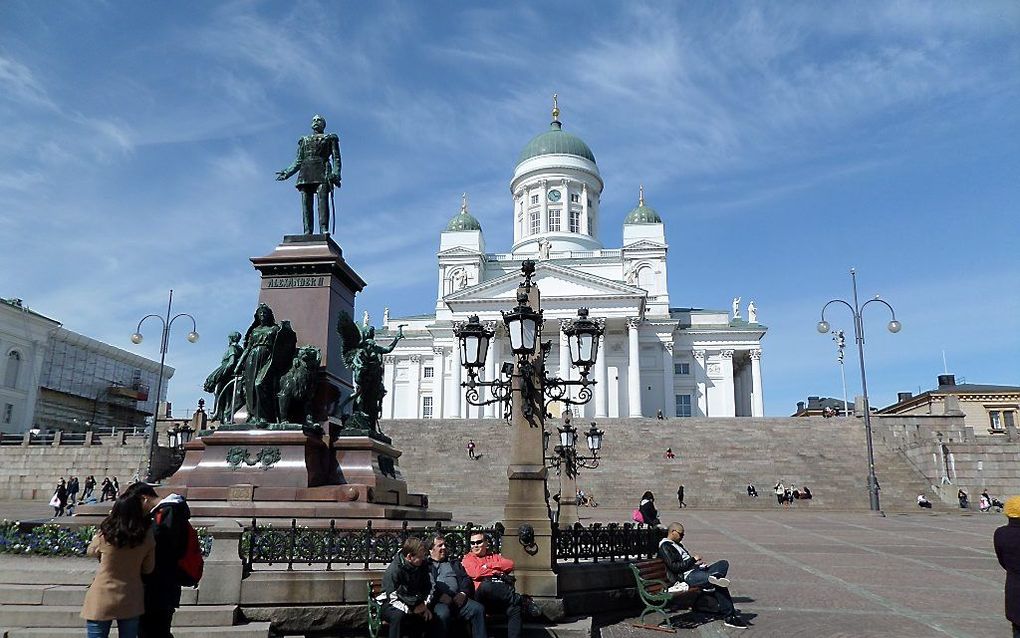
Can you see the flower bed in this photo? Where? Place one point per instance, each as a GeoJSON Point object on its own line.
{"type": "Point", "coordinates": [55, 540]}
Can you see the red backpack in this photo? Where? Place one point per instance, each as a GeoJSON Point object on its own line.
{"type": "Point", "coordinates": [191, 563]}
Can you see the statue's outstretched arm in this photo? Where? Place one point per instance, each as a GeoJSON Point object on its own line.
{"type": "Point", "coordinates": [293, 168]}
{"type": "Point", "coordinates": [393, 344]}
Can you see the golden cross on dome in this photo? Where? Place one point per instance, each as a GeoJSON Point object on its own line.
{"type": "Point", "coordinates": [463, 203]}
{"type": "Point", "coordinates": [641, 195]}
{"type": "Point", "coordinates": [556, 107]}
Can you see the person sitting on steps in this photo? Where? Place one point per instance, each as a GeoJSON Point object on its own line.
{"type": "Point", "coordinates": [685, 570]}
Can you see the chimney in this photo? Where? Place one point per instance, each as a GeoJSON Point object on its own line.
{"type": "Point", "coordinates": [904, 396]}
{"type": "Point", "coordinates": [800, 406]}
{"type": "Point", "coordinates": [947, 380]}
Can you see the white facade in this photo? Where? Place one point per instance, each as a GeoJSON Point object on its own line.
{"type": "Point", "coordinates": [53, 378]}
{"type": "Point", "coordinates": [682, 361]}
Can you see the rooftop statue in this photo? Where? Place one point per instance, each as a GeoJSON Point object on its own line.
{"type": "Point", "coordinates": [218, 380]}
{"type": "Point", "coordinates": [268, 352]}
{"type": "Point", "coordinates": [316, 174]}
{"type": "Point", "coordinates": [363, 356]}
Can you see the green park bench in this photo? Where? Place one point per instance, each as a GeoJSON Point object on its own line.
{"type": "Point", "coordinates": [650, 576]}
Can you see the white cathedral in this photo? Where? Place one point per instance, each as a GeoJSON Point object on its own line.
{"type": "Point", "coordinates": [680, 361]}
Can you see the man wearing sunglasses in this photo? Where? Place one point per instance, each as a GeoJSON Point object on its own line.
{"type": "Point", "coordinates": [494, 583]}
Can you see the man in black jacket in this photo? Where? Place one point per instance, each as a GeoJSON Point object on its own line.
{"type": "Point", "coordinates": [163, 585]}
{"type": "Point", "coordinates": [453, 589]}
{"type": "Point", "coordinates": [1007, 550]}
{"type": "Point", "coordinates": [407, 584]}
{"type": "Point", "coordinates": [687, 568]}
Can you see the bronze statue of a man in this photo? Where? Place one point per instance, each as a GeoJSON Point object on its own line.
{"type": "Point", "coordinates": [316, 174]}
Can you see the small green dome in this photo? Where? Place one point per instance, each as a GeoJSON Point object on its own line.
{"type": "Point", "coordinates": [463, 220]}
{"type": "Point", "coordinates": [556, 141]}
{"type": "Point", "coordinates": [642, 214]}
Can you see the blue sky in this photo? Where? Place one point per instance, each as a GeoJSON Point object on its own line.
{"type": "Point", "coordinates": [782, 143]}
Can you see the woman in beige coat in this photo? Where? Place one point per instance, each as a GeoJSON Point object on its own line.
{"type": "Point", "coordinates": [126, 549]}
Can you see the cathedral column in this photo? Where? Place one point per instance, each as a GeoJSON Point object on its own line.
{"type": "Point", "coordinates": [489, 411]}
{"type": "Point", "coordinates": [438, 381]}
{"type": "Point", "coordinates": [668, 394]}
{"type": "Point", "coordinates": [633, 368]}
{"type": "Point", "coordinates": [701, 382]}
{"type": "Point", "coordinates": [757, 398]}
{"type": "Point", "coordinates": [545, 208]}
{"type": "Point", "coordinates": [726, 386]}
{"type": "Point", "coordinates": [390, 375]}
{"type": "Point", "coordinates": [456, 392]}
{"type": "Point", "coordinates": [414, 374]}
{"type": "Point", "coordinates": [602, 379]}
{"type": "Point", "coordinates": [584, 211]}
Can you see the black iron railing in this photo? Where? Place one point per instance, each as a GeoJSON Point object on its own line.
{"type": "Point", "coordinates": [295, 545]}
{"type": "Point", "coordinates": [611, 542]}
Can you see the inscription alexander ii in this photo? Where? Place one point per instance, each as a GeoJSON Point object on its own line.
{"type": "Point", "coordinates": [295, 282]}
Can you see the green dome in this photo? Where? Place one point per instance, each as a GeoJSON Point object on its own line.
{"type": "Point", "coordinates": [556, 141]}
{"type": "Point", "coordinates": [642, 214]}
{"type": "Point", "coordinates": [463, 220]}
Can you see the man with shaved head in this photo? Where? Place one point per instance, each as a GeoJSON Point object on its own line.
{"type": "Point", "coordinates": [685, 570]}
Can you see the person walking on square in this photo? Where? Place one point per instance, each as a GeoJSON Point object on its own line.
{"type": "Point", "coordinates": [471, 449]}
{"type": "Point", "coordinates": [687, 568]}
{"type": "Point", "coordinates": [961, 495]}
{"type": "Point", "coordinates": [781, 491]}
{"type": "Point", "coordinates": [1007, 551]}
{"type": "Point", "coordinates": [680, 496]}
{"type": "Point", "coordinates": [126, 549]}
{"type": "Point", "coordinates": [72, 490]}
{"type": "Point", "coordinates": [114, 488]}
{"type": "Point", "coordinates": [59, 500]}
{"type": "Point", "coordinates": [89, 487]}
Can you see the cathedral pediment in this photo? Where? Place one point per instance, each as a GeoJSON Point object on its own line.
{"type": "Point", "coordinates": [458, 251]}
{"type": "Point", "coordinates": [645, 244]}
{"type": "Point", "coordinates": [555, 282]}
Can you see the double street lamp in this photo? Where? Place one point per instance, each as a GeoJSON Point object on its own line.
{"type": "Point", "coordinates": [136, 339]}
{"type": "Point", "coordinates": [893, 326]}
{"type": "Point", "coordinates": [524, 329]}
{"type": "Point", "coordinates": [566, 460]}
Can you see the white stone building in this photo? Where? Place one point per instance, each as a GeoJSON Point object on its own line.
{"type": "Point", "coordinates": [680, 360]}
{"type": "Point", "coordinates": [52, 378]}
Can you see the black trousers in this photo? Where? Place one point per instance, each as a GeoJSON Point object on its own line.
{"type": "Point", "coordinates": [500, 597]}
{"type": "Point", "coordinates": [399, 621]}
{"type": "Point", "coordinates": [155, 623]}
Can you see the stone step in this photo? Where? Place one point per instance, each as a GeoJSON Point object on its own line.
{"type": "Point", "coordinates": [62, 595]}
{"type": "Point", "coordinates": [250, 630]}
{"type": "Point", "coordinates": [64, 616]}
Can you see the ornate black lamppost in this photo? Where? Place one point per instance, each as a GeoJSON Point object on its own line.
{"type": "Point", "coordinates": [524, 391]}
{"type": "Point", "coordinates": [566, 461]}
{"type": "Point", "coordinates": [524, 329]}
{"type": "Point", "coordinates": [894, 326]}
{"type": "Point", "coordinates": [136, 338]}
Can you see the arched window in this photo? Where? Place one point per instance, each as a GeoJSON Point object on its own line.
{"type": "Point", "coordinates": [13, 369]}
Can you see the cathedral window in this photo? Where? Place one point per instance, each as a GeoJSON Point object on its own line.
{"type": "Point", "coordinates": [535, 224]}
{"type": "Point", "coordinates": [8, 412]}
{"type": "Point", "coordinates": [428, 372]}
{"type": "Point", "coordinates": [681, 368]}
{"type": "Point", "coordinates": [575, 221]}
{"type": "Point", "coordinates": [426, 407]}
{"type": "Point", "coordinates": [554, 220]}
{"type": "Point", "coordinates": [683, 405]}
{"type": "Point", "coordinates": [575, 198]}
{"type": "Point", "coordinates": [534, 200]}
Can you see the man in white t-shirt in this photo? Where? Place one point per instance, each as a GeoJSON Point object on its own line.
{"type": "Point", "coordinates": [685, 570]}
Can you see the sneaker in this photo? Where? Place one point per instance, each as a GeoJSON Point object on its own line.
{"type": "Point", "coordinates": [679, 588]}
{"type": "Point", "coordinates": [719, 581]}
{"type": "Point", "coordinates": [735, 621]}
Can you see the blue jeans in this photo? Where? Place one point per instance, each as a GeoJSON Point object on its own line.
{"type": "Point", "coordinates": [126, 628]}
{"type": "Point", "coordinates": [472, 613]}
{"type": "Point", "coordinates": [699, 578]}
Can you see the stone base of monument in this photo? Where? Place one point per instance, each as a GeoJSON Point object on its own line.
{"type": "Point", "coordinates": [279, 475]}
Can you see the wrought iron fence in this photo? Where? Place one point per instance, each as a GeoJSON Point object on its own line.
{"type": "Point", "coordinates": [295, 545]}
{"type": "Point", "coordinates": [611, 542]}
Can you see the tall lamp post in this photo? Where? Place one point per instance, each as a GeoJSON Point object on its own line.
{"type": "Point", "coordinates": [893, 326]}
{"type": "Point", "coordinates": [136, 338]}
{"type": "Point", "coordinates": [524, 392]}
{"type": "Point", "coordinates": [566, 461]}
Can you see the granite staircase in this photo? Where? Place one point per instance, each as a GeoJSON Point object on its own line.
{"type": "Point", "coordinates": [715, 459]}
